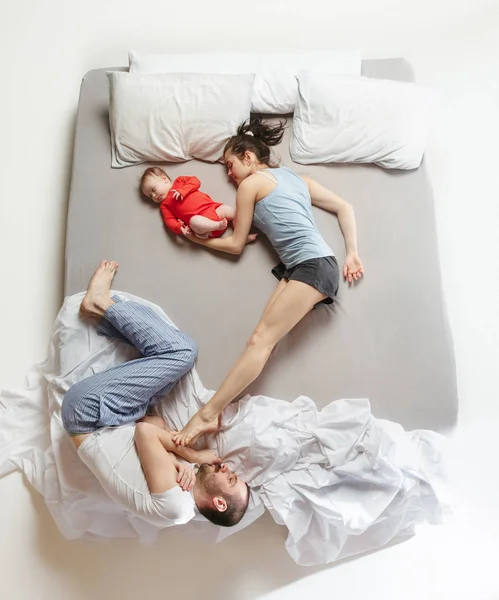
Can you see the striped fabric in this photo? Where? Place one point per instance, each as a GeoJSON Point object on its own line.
{"type": "Point", "coordinates": [123, 393]}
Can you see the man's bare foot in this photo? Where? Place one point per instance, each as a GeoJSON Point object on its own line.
{"type": "Point", "coordinates": [200, 423]}
{"type": "Point", "coordinates": [98, 297]}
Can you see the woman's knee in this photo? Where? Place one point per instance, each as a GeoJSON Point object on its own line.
{"type": "Point", "coordinates": [261, 338]}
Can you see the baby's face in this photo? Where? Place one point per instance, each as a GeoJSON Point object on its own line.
{"type": "Point", "coordinates": [156, 187]}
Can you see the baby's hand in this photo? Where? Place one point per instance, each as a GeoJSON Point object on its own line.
{"type": "Point", "coordinates": [186, 230]}
{"type": "Point", "coordinates": [251, 238]}
{"type": "Point", "coordinates": [177, 196]}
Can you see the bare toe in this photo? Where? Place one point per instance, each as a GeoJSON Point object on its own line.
{"type": "Point", "coordinates": [98, 297]}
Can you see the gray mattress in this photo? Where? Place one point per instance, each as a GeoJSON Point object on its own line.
{"type": "Point", "coordinates": [386, 338]}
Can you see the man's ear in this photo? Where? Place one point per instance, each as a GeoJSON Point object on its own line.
{"type": "Point", "coordinates": [219, 503]}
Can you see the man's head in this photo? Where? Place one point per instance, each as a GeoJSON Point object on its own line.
{"type": "Point", "coordinates": [220, 495]}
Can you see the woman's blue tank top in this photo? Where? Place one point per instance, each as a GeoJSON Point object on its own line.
{"type": "Point", "coordinates": [285, 217]}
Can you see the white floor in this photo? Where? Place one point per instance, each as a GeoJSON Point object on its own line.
{"type": "Point", "coordinates": [453, 45]}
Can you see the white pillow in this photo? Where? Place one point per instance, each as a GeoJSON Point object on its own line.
{"type": "Point", "coordinates": [360, 120]}
{"type": "Point", "coordinates": [224, 63]}
{"type": "Point", "coordinates": [275, 90]}
{"type": "Point", "coordinates": [276, 87]}
{"type": "Point", "coordinates": [174, 117]}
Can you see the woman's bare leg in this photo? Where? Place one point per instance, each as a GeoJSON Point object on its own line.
{"type": "Point", "coordinates": [275, 294]}
{"type": "Point", "coordinates": [155, 420]}
{"type": "Point", "coordinates": [289, 307]}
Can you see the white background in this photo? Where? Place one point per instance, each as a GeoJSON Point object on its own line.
{"type": "Point", "coordinates": [452, 44]}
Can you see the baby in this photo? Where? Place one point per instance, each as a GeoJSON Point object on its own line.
{"type": "Point", "coordinates": [183, 207]}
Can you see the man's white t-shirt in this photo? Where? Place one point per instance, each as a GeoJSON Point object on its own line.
{"type": "Point", "coordinates": [111, 455]}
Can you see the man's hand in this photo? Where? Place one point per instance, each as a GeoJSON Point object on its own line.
{"type": "Point", "coordinates": [353, 269]}
{"type": "Point", "coordinates": [186, 477]}
{"type": "Point", "coordinates": [177, 195]}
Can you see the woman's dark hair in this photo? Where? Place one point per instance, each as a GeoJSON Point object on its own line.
{"type": "Point", "coordinates": [256, 136]}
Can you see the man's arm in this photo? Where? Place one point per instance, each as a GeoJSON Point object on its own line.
{"type": "Point", "coordinates": [326, 199]}
{"type": "Point", "coordinates": [245, 205]}
{"type": "Point", "coordinates": [161, 467]}
{"type": "Point", "coordinates": [189, 454]}
{"type": "Point", "coordinates": [158, 452]}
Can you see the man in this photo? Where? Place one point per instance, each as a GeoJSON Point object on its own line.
{"type": "Point", "coordinates": [123, 395]}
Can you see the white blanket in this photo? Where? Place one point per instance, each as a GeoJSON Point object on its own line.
{"type": "Point", "coordinates": [341, 481]}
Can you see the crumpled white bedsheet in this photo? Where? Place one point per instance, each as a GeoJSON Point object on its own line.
{"type": "Point", "coordinates": [341, 481]}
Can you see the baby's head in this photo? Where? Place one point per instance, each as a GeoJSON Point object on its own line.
{"type": "Point", "coordinates": [155, 184]}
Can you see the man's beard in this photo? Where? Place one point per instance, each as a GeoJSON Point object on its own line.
{"type": "Point", "coordinates": [204, 477]}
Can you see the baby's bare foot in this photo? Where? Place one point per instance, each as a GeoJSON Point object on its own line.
{"type": "Point", "coordinates": [98, 297]}
{"type": "Point", "coordinates": [223, 224]}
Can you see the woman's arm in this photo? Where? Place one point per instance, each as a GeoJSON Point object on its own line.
{"type": "Point", "coordinates": [326, 199]}
{"type": "Point", "coordinates": [245, 205]}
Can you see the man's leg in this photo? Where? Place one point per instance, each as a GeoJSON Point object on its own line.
{"type": "Point", "coordinates": [123, 393]}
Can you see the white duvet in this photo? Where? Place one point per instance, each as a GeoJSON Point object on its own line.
{"type": "Point", "coordinates": [341, 481]}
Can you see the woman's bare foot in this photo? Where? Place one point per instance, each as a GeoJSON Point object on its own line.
{"type": "Point", "coordinates": [98, 297]}
{"type": "Point", "coordinates": [202, 422]}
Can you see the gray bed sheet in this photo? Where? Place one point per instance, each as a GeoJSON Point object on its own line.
{"type": "Point", "coordinates": [386, 338]}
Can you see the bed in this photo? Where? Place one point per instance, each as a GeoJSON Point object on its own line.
{"type": "Point", "coordinates": [386, 338]}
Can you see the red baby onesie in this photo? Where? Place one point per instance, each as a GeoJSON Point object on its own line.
{"type": "Point", "coordinates": [194, 203]}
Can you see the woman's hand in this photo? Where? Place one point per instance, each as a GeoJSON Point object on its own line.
{"type": "Point", "coordinates": [186, 477]}
{"type": "Point", "coordinates": [353, 269]}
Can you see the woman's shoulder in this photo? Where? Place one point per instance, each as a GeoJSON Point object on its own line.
{"type": "Point", "coordinates": [252, 181]}
{"type": "Point", "coordinates": [249, 187]}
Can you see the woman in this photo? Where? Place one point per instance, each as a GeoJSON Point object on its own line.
{"type": "Point", "coordinates": [278, 202]}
